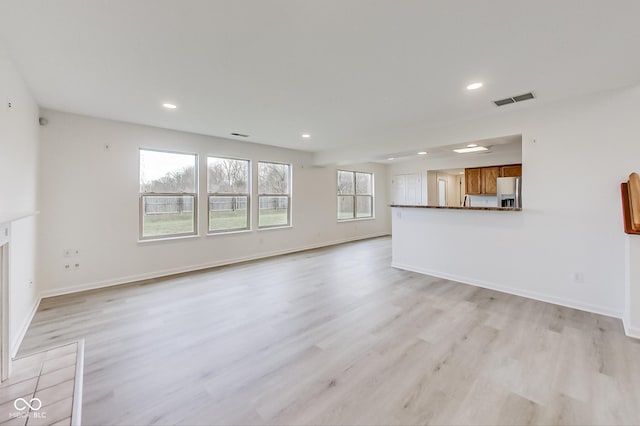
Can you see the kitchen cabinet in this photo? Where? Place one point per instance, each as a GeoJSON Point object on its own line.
{"type": "Point", "coordinates": [513, 170]}
{"type": "Point", "coordinates": [484, 180]}
{"type": "Point", "coordinates": [490, 177]}
{"type": "Point", "coordinates": [473, 181]}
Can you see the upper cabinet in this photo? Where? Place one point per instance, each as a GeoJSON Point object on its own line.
{"type": "Point", "coordinates": [513, 170]}
{"type": "Point", "coordinates": [484, 180]}
{"type": "Point", "coordinates": [490, 177]}
{"type": "Point", "coordinates": [473, 181]}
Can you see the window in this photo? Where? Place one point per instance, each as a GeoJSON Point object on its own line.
{"type": "Point", "coordinates": [355, 195]}
{"type": "Point", "coordinates": [228, 187]}
{"type": "Point", "coordinates": [168, 194]}
{"type": "Point", "coordinates": [274, 194]}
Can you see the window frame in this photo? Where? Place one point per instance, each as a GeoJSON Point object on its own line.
{"type": "Point", "coordinates": [355, 196]}
{"type": "Point", "coordinates": [288, 195]}
{"type": "Point", "coordinates": [224, 194]}
{"type": "Point", "coordinates": [141, 196]}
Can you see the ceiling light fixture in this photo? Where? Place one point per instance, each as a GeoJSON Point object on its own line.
{"type": "Point", "coordinates": [472, 145]}
{"type": "Point", "coordinates": [474, 86]}
{"type": "Point", "coordinates": [169, 106]}
{"type": "Point", "coordinates": [391, 158]}
{"type": "Point", "coordinates": [422, 153]}
{"type": "Point", "coordinates": [472, 149]}
{"type": "Point", "coordinates": [306, 135]}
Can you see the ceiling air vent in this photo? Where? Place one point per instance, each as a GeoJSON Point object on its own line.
{"type": "Point", "coordinates": [519, 98]}
{"type": "Point", "coordinates": [505, 101]}
{"type": "Point", "coordinates": [240, 135]}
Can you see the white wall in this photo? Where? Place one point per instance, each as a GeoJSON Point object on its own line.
{"type": "Point", "coordinates": [574, 155]}
{"type": "Point", "coordinates": [18, 191]}
{"type": "Point", "coordinates": [89, 201]}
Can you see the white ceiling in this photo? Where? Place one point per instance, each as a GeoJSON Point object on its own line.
{"type": "Point", "coordinates": [347, 72]}
{"type": "Point", "coordinates": [496, 146]}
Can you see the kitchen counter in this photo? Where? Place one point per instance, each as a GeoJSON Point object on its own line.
{"type": "Point", "coordinates": [499, 209]}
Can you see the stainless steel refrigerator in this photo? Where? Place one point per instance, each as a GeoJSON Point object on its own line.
{"type": "Point", "coordinates": [509, 192]}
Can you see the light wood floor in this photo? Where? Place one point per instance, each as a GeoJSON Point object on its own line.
{"type": "Point", "coordinates": [337, 336]}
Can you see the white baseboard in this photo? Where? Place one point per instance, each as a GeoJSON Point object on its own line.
{"type": "Point", "coordinates": [197, 267]}
{"type": "Point", "coordinates": [602, 310]}
{"type": "Point", "coordinates": [629, 330]}
{"type": "Point", "coordinates": [17, 340]}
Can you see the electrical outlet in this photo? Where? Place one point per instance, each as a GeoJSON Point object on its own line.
{"type": "Point", "coordinates": [107, 147]}
{"type": "Point", "coordinates": [76, 265]}
{"type": "Point", "coordinates": [76, 252]}
{"type": "Point", "coordinates": [67, 252]}
{"type": "Point", "coordinates": [67, 266]}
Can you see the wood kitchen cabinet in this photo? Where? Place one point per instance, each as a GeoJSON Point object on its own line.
{"type": "Point", "coordinates": [484, 180]}
{"type": "Point", "coordinates": [473, 181]}
{"type": "Point", "coordinates": [513, 170]}
{"type": "Point", "coordinates": [490, 177]}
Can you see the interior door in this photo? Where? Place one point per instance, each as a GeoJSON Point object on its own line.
{"type": "Point", "coordinates": [442, 192]}
{"type": "Point", "coordinates": [413, 189]}
{"type": "Point", "coordinates": [399, 189]}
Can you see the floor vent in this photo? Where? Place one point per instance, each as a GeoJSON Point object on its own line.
{"type": "Point", "coordinates": [519, 98]}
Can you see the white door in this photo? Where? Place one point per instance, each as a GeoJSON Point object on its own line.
{"type": "Point", "coordinates": [413, 189]}
{"type": "Point", "coordinates": [407, 189]}
{"type": "Point", "coordinates": [442, 192]}
{"type": "Point", "coordinates": [399, 189]}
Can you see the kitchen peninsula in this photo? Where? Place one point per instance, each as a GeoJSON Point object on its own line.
{"type": "Point", "coordinates": [513, 209]}
{"type": "Point", "coordinates": [470, 245]}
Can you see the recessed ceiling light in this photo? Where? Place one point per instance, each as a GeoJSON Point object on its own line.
{"type": "Point", "coordinates": [422, 153]}
{"type": "Point", "coordinates": [306, 135]}
{"type": "Point", "coordinates": [169, 106]}
{"type": "Point", "coordinates": [391, 158]}
{"type": "Point", "coordinates": [472, 145]}
{"type": "Point", "coordinates": [472, 149]}
{"type": "Point", "coordinates": [474, 86]}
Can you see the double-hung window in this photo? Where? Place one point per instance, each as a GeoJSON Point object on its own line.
{"type": "Point", "coordinates": [274, 194]}
{"type": "Point", "coordinates": [229, 194]}
{"type": "Point", "coordinates": [355, 195]}
{"type": "Point", "coordinates": [168, 194]}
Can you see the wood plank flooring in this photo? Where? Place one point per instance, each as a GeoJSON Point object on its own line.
{"type": "Point", "coordinates": [337, 336]}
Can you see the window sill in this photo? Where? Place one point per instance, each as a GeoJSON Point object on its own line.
{"type": "Point", "coordinates": [240, 231]}
{"type": "Point", "coordinates": [356, 219]}
{"type": "Point", "coordinates": [275, 227]}
{"type": "Point", "coordinates": [166, 239]}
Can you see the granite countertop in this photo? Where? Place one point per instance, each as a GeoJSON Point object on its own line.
{"type": "Point", "coordinates": [499, 209]}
